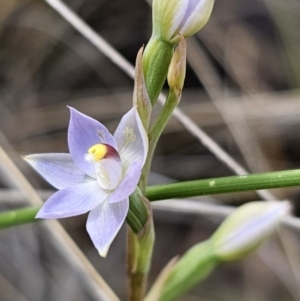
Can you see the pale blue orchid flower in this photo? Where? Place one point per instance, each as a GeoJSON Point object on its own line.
{"type": "Point", "coordinates": [98, 174]}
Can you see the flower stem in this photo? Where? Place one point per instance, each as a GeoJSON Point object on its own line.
{"type": "Point", "coordinates": [139, 254]}
{"type": "Point", "coordinates": [194, 266]}
{"type": "Point", "coordinates": [156, 131]}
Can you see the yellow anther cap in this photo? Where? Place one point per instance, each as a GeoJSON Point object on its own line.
{"type": "Point", "coordinates": [97, 152]}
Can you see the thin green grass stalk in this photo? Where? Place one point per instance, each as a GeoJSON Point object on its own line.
{"type": "Point", "coordinates": [278, 179]}
{"type": "Point", "coordinates": [250, 182]}
{"type": "Point", "coordinates": [18, 217]}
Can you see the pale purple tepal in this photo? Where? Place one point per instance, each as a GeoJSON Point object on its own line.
{"type": "Point", "coordinates": [98, 175]}
{"type": "Point", "coordinates": [179, 17]}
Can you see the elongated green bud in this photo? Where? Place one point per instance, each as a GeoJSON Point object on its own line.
{"type": "Point", "coordinates": [241, 232]}
{"type": "Point", "coordinates": [171, 18]}
{"type": "Point", "coordinates": [246, 228]}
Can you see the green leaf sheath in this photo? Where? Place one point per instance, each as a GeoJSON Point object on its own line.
{"type": "Point", "coordinates": [156, 60]}
{"type": "Point", "coordinates": [224, 185]}
{"type": "Point", "coordinates": [137, 215]}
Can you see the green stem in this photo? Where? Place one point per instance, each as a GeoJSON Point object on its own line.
{"type": "Point", "coordinates": [156, 131]}
{"type": "Point", "coordinates": [278, 179]}
{"type": "Point", "coordinates": [194, 266]}
{"type": "Point", "coordinates": [139, 254]}
{"type": "Point", "coordinates": [249, 182]}
{"type": "Point", "coordinates": [156, 60]}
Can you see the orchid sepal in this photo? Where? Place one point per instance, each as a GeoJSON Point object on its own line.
{"type": "Point", "coordinates": [172, 18]}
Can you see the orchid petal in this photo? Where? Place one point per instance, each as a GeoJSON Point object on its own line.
{"type": "Point", "coordinates": [104, 222]}
{"type": "Point", "coordinates": [167, 18]}
{"type": "Point", "coordinates": [109, 173]}
{"type": "Point", "coordinates": [132, 139]}
{"type": "Point", "coordinates": [178, 17]}
{"type": "Point", "coordinates": [196, 17]}
{"type": "Point", "coordinates": [57, 169]}
{"type": "Point", "coordinates": [73, 201]}
{"type": "Point", "coordinates": [128, 184]}
{"type": "Point", "coordinates": [83, 133]}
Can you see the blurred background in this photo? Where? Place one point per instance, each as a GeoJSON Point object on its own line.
{"type": "Point", "coordinates": [241, 89]}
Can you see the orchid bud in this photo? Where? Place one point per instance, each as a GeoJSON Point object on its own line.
{"type": "Point", "coordinates": [184, 17]}
{"type": "Point", "coordinates": [177, 68]}
{"type": "Point", "coordinates": [247, 227]}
